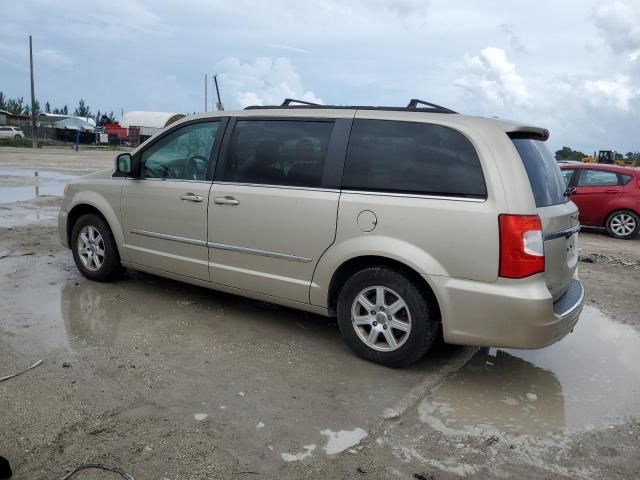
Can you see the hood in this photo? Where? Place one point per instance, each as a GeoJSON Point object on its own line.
{"type": "Point", "coordinates": [100, 174]}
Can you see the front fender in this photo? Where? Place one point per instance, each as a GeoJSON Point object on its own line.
{"type": "Point", "coordinates": [107, 203]}
{"type": "Point", "coordinates": [371, 245]}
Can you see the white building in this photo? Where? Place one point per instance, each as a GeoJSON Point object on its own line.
{"type": "Point", "coordinates": [149, 122]}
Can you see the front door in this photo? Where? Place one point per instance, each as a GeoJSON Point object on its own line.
{"type": "Point", "coordinates": [273, 206]}
{"type": "Point", "coordinates": [164, 212]}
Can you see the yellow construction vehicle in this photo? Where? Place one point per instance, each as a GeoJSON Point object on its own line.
{"type": "Point", "coordinates": [603, 156]}
{"type": "Point", "coordinates": [609, 157]}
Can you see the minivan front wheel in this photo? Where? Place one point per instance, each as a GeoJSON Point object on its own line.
{"type": "Point", "coordinates": [623, 224]}
{"type": "Point", "coordinates": [386, 318]}
{"type": "Point", "coordinates": [94, 248]}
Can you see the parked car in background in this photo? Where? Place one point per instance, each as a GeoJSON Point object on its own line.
{"type": "Point", "coordinates": [402, 222]}
{"type": "Point", "coordinates": [607, 196]}
{"type": "Point", "coordinates": [11, 132]}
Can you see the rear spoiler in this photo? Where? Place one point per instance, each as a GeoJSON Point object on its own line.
{"type": "Point", "coordinates": [533, 133]}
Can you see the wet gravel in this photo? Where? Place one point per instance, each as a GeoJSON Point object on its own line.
{"type": "Point", "coordinates": [167, 380]}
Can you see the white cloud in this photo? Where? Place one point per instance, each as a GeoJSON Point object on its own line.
{"type": "Point", "coordinates": [619, 23]}
{"type": "Point", "coordinates": [289, 48]}
{"type": "Point", "coordinates": [618, 91]}
{"type": "Point", "coordinates": [266, 81]}
{"type": "Point", "coordinates": [490, 76]}
{"type": "Point", "coordinates": [53, 57]}
{"type": "Point", "coordinates": [514, 40]}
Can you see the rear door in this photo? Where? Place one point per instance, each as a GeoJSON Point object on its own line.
{"type": "Point", "coordinates": [274, 203]}
{"type": "Point", "coordinates": [558, 215]}
{"type": "Point", "coordinates": [597, 193]}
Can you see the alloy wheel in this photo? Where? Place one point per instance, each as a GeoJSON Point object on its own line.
{"type": "Point", "coordinates": [623, 224]}
{"type": "Point", "coordinates": [381, 318]}
{"type": "Point", "coordinates": [91, 248]}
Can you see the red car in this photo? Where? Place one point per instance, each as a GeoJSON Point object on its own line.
{"type": "Point", "coordinates": [607, 195]}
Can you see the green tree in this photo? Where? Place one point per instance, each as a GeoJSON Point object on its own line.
{"type": "Point", "coordinates": [47, 107]}
{"type": "Point", "coordinates": [15, 105]}
{"type": "Point", "coordinates": [567, 153]}
{"type": "Point", "coordinates": [3, 101]}
{"type": "Point", "coordinates": [82, 110]}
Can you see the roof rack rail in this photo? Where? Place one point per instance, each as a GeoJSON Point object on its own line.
{"type": "Point", "coordinates": [288, 101]}
{"type": "Point", "coordinates": [413, 106]}
{"type": "Point", "coordinates": [414, 102]}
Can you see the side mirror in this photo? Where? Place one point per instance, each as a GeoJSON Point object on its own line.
{"type": "Point", "coordinates": [124, 163]}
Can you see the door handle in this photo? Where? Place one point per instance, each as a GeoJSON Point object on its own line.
{"type": "Point", "coordinates": [611, 191]}
{"type": "Point", "coordinates": [226, 201]}
{"type": "Point", "coordinates": [191, 197]}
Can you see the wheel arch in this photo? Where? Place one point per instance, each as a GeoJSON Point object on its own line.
{"type": "Point", "coordinates": [616, 210]}
{"type": "Point", "coordinates": [355, 264]}
{"type": "Point", "coordinates": [82, 208]}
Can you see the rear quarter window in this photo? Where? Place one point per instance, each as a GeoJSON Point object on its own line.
{"type": "Point", "coordinates": [545, 178]}
{"type": "Point", "coordinates": [412, 157]}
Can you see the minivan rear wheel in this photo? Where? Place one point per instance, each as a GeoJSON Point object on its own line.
{"type": "Point", "coordinates": [623, 224]}
{"type": "Point", "coordinates": [386, 318]}
{"type": "Point", "coordinates": [94, 248]}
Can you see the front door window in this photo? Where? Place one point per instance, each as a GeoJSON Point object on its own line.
{"type": "Point", "coordinates": [181, 155]}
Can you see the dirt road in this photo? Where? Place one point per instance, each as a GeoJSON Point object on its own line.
{"type": "Point", "coordinates": [170, 381]}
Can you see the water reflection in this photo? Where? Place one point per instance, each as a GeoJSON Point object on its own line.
{"type": "Point", "coordinates": [498, 391]}
{"type": "Point", "coordinates": [22, 185]}
{"type": "Point", "coordinates": [88, 318]}
{"type": "Point", "coordinates": [588, 380]}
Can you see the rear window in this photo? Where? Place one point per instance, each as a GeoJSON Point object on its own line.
{"type": "Point", "coordinates": [543, 171]}
{"type": "Point", "coordinates": [415, 158]}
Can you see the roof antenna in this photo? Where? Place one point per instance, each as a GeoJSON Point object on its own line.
{"type": "Point", "coordinates": [219, 105]}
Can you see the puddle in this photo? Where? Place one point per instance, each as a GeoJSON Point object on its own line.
{"type": "Point", "coordinates": [344, 439]}
{"type": "Point", "coordinates": [22, 185]}
{"type": "Point", "coordinates": [19, 215]}
{"type": "Point", "coordinates": [589, 380]}
{"type": "Point", "coordinates": [296, 457]}
{"type": "Point", "coordinates": [282, 385]}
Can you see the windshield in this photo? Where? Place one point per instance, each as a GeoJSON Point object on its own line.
{"type": "Point", "coordinates": [543, 171]}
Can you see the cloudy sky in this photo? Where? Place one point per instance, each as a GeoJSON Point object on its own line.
{"type": "Point", "coordinates": [572, 66]}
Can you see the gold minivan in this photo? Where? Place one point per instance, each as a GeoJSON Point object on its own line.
{"type": "Point", "coordinates": [402, 222]}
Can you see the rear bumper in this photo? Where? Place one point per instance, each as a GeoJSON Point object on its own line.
{"type": "Point", "coordinates": [507, 313]}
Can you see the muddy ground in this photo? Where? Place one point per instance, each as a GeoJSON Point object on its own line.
{"type": "Point", "coordinates": [170, 381]}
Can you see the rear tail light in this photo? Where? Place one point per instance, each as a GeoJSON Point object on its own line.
{"type": "Point", "coordinates": [521, 246]}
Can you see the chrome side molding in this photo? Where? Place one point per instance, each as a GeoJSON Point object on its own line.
{"type": "Point", "coordinates": [166, 236]}
{"type": "Point", "coordinates": [254, 251]}
{"type": "Point", "coordinates": [222, 246]}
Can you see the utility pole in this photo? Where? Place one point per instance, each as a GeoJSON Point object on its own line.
{"type": "Point", "coordinates": [219, 105]}
{"type": "Point", "coordinates": [33, 99]}
{"type": "Point", "coordinates": [205, 92]}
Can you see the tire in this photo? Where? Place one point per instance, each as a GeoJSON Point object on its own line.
{"type": "Point", "coordinates": [17, 137]}
{"type": "Point", "coordinates": [623, 224]}
{"type": "Point", "coordinates": [418, 313]}
{"type": "Point", "coordinates": [97, 238]}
